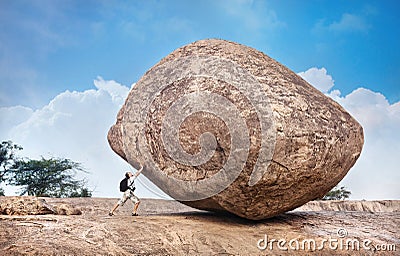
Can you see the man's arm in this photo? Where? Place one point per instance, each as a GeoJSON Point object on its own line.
{"type": "Point", "coordinates": [139, 171]}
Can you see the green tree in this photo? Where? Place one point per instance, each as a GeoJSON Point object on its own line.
{"type": "Point", "coordinates": [337, 194]}
{"type": "Point", "coordinates": [49, 177]}
{"type": "Point", "coordinates": [83, 192]}
{"type": "Point", "coordinates": [7, 158]}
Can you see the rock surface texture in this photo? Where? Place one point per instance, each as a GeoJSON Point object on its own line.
{"type": "Point", "coordinates": [25, 206]}
{"type": "Point", "coordinates": [166, 227]}
{"type": "Point", "coordinates": [221, 126]}
{"type": "Point", "coordinates": [29, 205]}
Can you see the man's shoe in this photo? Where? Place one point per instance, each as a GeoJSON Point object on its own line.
{"type": "Point", "coordinates": [110, 214]}
{"type": "Point", "coordinates": [135, 214]}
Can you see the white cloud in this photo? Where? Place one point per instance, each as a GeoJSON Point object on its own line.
{"type": "Point", "coordinates": [318, 78]}
{"type": "Point", "coordinates": [117, 91]}
{"type": "Point", "coordinates": [12, 116]}
{"type": "Point", "coordinates": [254, 15]}
{"type": "Point", "coordinates": [350, 22]}
{"type": "Point", "coordinates": [74, 125]}
{"type": "Point", "coordinates": [371, 109]}
{"type": "Point", "coordinates": [375, 175]}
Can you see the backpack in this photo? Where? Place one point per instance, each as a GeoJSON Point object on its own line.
{"type": "Point", "coordinates": [123, 185]}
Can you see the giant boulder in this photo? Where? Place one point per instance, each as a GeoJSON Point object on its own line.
{"type": "Point", "coordinates": [223, 127]}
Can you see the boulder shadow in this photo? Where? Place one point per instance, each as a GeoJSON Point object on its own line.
{"type": "Point", "coordinates": [229, 218]}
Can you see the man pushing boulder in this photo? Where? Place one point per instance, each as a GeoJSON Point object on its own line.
{"type": "Point", "coordinates": [127, 186]}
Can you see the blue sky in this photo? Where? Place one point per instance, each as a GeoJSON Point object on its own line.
{"type": "Point", "coordinates": [47, 47]}
{"type": "Point", "coordinates": [67, 66]}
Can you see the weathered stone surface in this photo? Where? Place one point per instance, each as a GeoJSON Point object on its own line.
{"type": "Point", "coordinates": [66, 209]}
{"type": "Point", "coordinates": [29, 205]}
{"type": "Point", "coordinates": [353, 206]}
{"type": "Point", "coordinates": [25, 206]}
{"type": "Point", "coordinates": [166, 227]}
{"type": "Point", "coordinates": [223, 127]}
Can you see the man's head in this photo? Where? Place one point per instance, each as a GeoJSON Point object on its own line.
{"type": "Point", "coordinates": [128, 175]}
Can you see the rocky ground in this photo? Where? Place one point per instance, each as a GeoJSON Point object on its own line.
{"type": "Point", "coordinates": [170, 228]}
